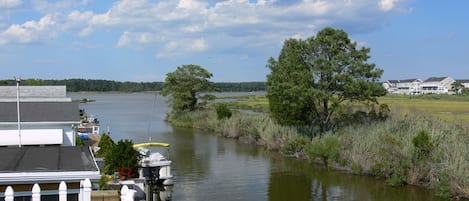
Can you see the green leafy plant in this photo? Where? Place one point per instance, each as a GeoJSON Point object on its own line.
{"type": "Point", "coordinates": [106, 144]}
{"type": "Point", "coordinates": [423, 145]}
{"type": "Point", "coordinates": [223, 112]}
{"type": "Point", "coordinates": [122, 158]}
{"type": "Point", "coordinates": [325, 148]}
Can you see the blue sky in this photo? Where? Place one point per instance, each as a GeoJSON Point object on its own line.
{"type": "Point", "coordinates": [143, 40]}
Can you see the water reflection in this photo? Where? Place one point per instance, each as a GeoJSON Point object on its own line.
{"type": "Point", "coordinates": [292, 179]}
{"type": "Point", "coordinates": [161, 193]}
{"type": "Point", "coordinates": [285, 186]}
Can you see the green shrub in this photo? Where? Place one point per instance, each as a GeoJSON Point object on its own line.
{"type": "Point", "coordinates": [384, 111]}
{"type": "Point", "coordinates": [122, 155]}
{"type": "Point", "coordinates": [423, 145]}
{"type": "Point", "coordinates": [442, 187]}
{"type": "Point", "coordinates": [326, 148]}
{"type": "Point", "coordinates": [399, 174]}
{"type": "Point", "coordinates": [106, 144]}
{"type": "Point", "coordinates": [294, 145]}
{"type": "Point", "coordinates": [223, 112]}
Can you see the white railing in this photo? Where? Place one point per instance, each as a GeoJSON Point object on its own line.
{"type": "Point", "coordinates": [83, 195]}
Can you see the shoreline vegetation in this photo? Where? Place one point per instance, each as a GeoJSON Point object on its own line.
{"type": "Point", "coordinates": [413, 146]}
{"type": "Point", "coordinates": [111, 86]}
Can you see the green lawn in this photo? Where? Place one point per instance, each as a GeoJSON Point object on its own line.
{"type": "Point", "coordinates": [449, 109]}
{"type": "Point", "coordinates": [454, 108]}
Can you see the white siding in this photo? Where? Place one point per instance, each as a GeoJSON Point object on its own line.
{"type": "Point", "coordinates": [31, 137]}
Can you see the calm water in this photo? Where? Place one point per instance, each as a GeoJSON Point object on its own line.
{"type": "Point", "coordinates": [212, 168]}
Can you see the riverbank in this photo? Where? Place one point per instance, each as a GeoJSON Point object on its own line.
{"type": "Point", "coordinates": [416, 150]}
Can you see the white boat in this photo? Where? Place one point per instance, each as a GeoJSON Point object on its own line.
{"type": "Point", "coordinates": [155, 167]}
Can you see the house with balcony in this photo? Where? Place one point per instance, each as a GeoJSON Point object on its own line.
{"type": "Point", "coordinates": [437, 85]}
{"type": "Point", "coordinates": [406, 86]}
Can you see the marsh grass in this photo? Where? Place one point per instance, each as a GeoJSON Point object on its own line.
{"type": "Point", "coordinates": [384, 149]}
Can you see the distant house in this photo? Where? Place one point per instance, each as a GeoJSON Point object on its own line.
{"type": "Point", "coordinates": [407, 86]}
{"type": "Point", "coordinates": [464, 82]}
{"type": "Point", "coordinates": [47, 116]}
{"type": "Point", "coordinates": [437, 85]}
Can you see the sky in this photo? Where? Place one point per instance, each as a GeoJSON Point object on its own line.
{"type": "Point", "coordinates": [143, 40]}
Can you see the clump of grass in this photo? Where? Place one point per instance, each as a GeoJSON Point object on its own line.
{"type": "Point", "coordinates": [223, 112]}
{"type": "Point", "coordinates": [326, 149]}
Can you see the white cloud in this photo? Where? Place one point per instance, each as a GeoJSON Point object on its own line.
{"type": "Point", "coordinates": [190, 25]}
{"type": "Point", "coordinates": [190, 4]}
{"type": "Point", "coordinates": [132, 38]}
{"type": "Point", "coordinates": [9, 3]}
{"type": "Point", "coordinates": [78, 21]}
{"type": "Point", "coordinates": [30, 31]}
{"type": "Point", "coordinates": [387, 5]}
{"type": "Point", "coordinates": [180, 47]}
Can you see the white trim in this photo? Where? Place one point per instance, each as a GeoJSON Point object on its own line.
{"type": "Point", "coordinates": [40, 122]}
{"type": "Point", "coordinates": [28, 193]}
{"type": "Point", "coordinates": [43, 177]}
{"type": "Point", "coordinates": [94, 159]}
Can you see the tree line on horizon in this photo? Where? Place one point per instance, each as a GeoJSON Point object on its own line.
{"type": "Point", "coordinates": [77, 85]}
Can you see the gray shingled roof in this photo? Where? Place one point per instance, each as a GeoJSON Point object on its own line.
{"type": "Point", "coordinates": [402, 81]}
{"type": "Point", "coordinates": [46, 159]}
{"type": "Point", "coordinates": [435, 79]}
{"type": "Point", "coordinates": [40, 112]}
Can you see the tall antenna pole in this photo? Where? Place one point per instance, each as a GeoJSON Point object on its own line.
{"type": "Point", "coordinates": [18, 80]}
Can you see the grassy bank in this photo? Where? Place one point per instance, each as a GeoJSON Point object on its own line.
{"type": "Point", "coordinates": [412, 149]}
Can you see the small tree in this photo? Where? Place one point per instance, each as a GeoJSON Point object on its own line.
{"type": "Point", "coordinates": [106, 144]}
{"type": "Point", "coordinates": [185, 87]}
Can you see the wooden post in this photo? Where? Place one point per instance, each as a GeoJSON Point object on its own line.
{"type": "Point", "coordinates": [62, 191]}
{"type": "Point", "coordinates": [124, 192]}
{"type": "Point", "coordinates": [36, 193]}
{"type": "Point", "coordinates": [9, 194]}
{"type": "Point", "coordinates": [87, 190]}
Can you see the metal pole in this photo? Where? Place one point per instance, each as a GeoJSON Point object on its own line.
{"type": "Point", "coordinates": [18, 80]}
{"type": "Point", "coordinates": [149, 191]}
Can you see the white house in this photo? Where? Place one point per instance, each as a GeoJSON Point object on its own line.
{"type": "Point", "coordinates": [43, 150]}
{"type": "Point", "coordinates": [47, 116]}
{"type": "Point", "coordinates": [437, 85]}
{"type": "Point", "coordinates": [464, 82]}
{"type": "Point", "coordinates": [407, 86]}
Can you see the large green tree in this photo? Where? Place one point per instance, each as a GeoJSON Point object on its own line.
{"type": "Point", "coordinates": [186, 86]}
{"type": "Point", "coordinates": [313, 78]}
